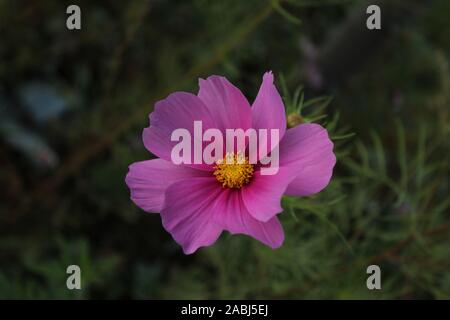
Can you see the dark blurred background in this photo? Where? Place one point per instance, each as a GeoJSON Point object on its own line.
{"type": "Point", "coordinates": [73, 105]}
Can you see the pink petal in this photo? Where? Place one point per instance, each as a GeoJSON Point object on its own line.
{"type": "Point", "coordinates": [262, 196]}
{"type": "Point", "coordinates": [148, 181]}
{"type": "Point", "coordinates": [268, 109]}
{"type": "Point", "coordinates": [233, 215]}
{"type": "Point", "coordinates": [227, 102]}
{"type": "Point", "coordinates": [188, 213]}
{"type": "Point", "coordinates": [308, 152]}
{"type": "Point", "coordinates": [178, 110]}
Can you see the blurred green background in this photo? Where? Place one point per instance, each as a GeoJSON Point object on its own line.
{"type": "Point", "coordinates": [73, 105]}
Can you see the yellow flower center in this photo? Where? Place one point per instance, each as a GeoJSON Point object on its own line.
{"type": "Point", "coordinates": [233, 171]}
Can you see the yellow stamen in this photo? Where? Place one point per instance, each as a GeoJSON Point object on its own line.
{"type": "Point", "coordinates": [233, 171]}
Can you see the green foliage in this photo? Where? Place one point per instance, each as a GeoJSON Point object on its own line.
{"type": "Point", "coordinates": [43, 278]}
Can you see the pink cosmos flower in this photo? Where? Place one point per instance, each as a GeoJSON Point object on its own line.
{"type": "Point", "coordinates": [198, 201]}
